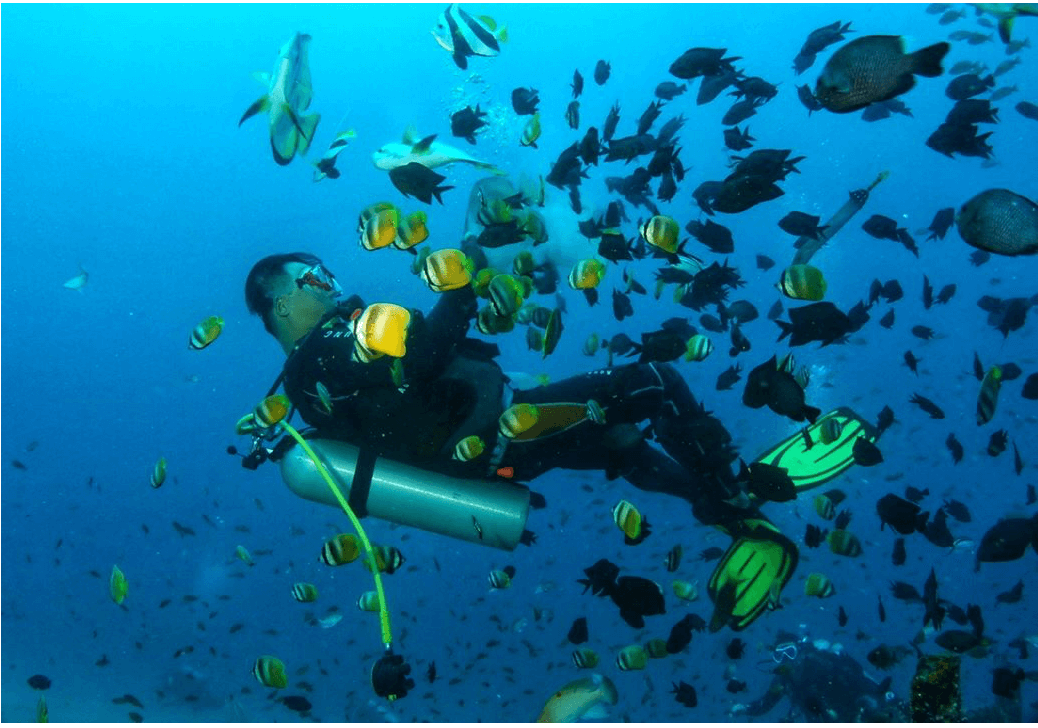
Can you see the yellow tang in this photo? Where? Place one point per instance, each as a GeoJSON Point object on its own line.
{"type": "Point", "coordinates": [380, 231]}
{"type": "Point", "coordinates": [304, 592]}
{"type": "Point", "coordinates": [272, 410]}
{"type": "Point", "coordinates": [117, 585]}
{"type": "Point", "coordinates": [158, 473]}
{"type": "Point", "coordinates": [205, 333]}
{"type": "Point", "coordinates": [802, 282]}
{"type": "Point", "coordinates": [368, 601]}
{"type": "Point", "coordinates": [698, 348]}
{"type": "Point", "coordinates": [586, 274]}
{"type": "Point", "coordinates": [656, 648]}
{"type": "Point", "coordinates": [413, 230]}
{"type": "Point", "coordinates": [580, 699]}
{"type": "Point", "coordinates": [340, 550]}
{"type": "Point", "coordinates": [531, 132]}
{"type": "Point", "coordinates": [844, 543]}
{"type": "Point", "coordinates": [632, 657]}
{"type": "Point", "coordinates": [685, 590]}
{"type": "Point", "coordinates": [469, 448]}
{"type": "Point", "coordinates": [387, 558]}
{"type": "Point", "coordinates": [661, 232]}
{"type": "Point", "coordinates": [270, 671]}
{"type": "Point", "coordinates": [244, 555]}
{"type": "Point", "coordinates": [446, 270]}
{"type": "Point", "coordinates": [818, 585]}
{"type": "Point", "coordinates": [381, 329]}
{"type": "Point", "coordinates": [628, 519]}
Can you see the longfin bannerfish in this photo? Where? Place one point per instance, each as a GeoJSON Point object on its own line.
{"type": "Point", "coordinates": [205, 333]}
{"type": "Point", "coordinates": [288, 96]}
{"type": "Point", "coordinates": [425, 151]}
{"type": "Point", "coordinates": [462, 35]}
{"type": "Point", "coordinates": [326, 164]}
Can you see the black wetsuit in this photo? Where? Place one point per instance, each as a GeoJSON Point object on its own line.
{"type": "Point", "coordinates": [452, 388]}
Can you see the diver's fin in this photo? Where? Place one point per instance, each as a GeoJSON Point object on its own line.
{"type": "Point", "coordinates": [261, 104]}
{"type": "Point", "coordinates": [751, 574]}
{"type": "Point", "coordinates": [808, 460]}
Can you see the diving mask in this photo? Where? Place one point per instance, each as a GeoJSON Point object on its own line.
{"type": "Point", "coordinates": [320, 278]}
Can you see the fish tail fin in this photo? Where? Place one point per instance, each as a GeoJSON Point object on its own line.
{"type": "Point", "coordinates": [787, 329]}
{"type": "Point", "coordinates": [927, 61]}
{"type": "Point", "coordinates": [490, 168]}
{"type": "Point", "coordinates": [1005, 27]}
{"type": "Point", "coordinates": [307, 126]}
{"type": "Point", "coordinates": [502, 34]}
{"type": "Point", "coordinates": [811, 413]}
{"type": "Point", "coordinates": [261, 104]}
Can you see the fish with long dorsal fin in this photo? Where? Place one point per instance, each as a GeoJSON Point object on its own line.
{"type": "Point", "coordinates": [77, 283]}
{"type": "Point", "coordinates": [288, 96]}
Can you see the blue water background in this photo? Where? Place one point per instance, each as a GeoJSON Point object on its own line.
{"type": "Point", "coordinates": [121, 152]}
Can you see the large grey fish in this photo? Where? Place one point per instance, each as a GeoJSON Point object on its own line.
{"type": "Point", "coordinates": [289, 94]}
{"type": "Point", "coordinates": [1000, 221]}
{"type": "Point", "coordinates": [874, 68]}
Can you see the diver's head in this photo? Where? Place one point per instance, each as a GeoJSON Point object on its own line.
{"type": "Point", "coordinates": [290, 292]}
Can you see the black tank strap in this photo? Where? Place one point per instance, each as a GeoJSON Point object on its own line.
{"type": "Point", "coordinates": [360, 488]}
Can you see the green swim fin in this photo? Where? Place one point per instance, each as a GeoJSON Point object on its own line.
{"type": "Point", "coordinates": [809, 461]}
{"type": "Point", "coordinates": [751, 574]}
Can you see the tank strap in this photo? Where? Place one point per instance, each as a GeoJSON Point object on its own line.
{"type": "Point", "coordinates": [360, 487]}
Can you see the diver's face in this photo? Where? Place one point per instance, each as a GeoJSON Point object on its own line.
{"type": "Point", "coordinates": [310, 294]}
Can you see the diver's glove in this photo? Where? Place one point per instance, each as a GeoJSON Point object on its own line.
{"type": "Point", "coordinates": [389, 677]}
{"type": "Point", "coordinates": [446, 270]}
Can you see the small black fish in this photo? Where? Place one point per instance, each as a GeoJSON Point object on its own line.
{"type": "Point", "coordinates": [814, 536]}
{"type": "Point", "coordinates": [578, 83]}
{"type": "Point", "coordinates": [681, 634]}
{"type": "Point", "coordinates": [957, 510]}
{"type": "Point", "coordinates": [968, 85]}
{"type": "Point", "coordinates": [729, 377]}
{"type": "Point", "coordinates": [899, 554]}
{"type": "Point", "coordinates": [685, 694]}
{"type": "Point", "coordinates": [905, 592]}
{"type": "Point", "coordinates": [735, 686]}
{"type": "Point", "coordinates": [298, 703]}
{"type": "Point", "coordinates": [802, 225]}
{"type": "Point", "coordinates": [912, 362]}
{"type": "Point", "coordinates": [622, 307]}
{"type": "Point", "coordinates": [807, 98]}
{"type": "Point", "coordinates": [602, 69]}
{"type": "Point", "coordinates": [872, 69]}
{"type": "Point", "coordinates": [942, 221]}
{"type": "Point", "coordinates": [1011, 596]}
{"type": "Point", "coordinates": [637, 598]}
{"type": "Point", "coordinates": [865, 453]}
{"type": "Point", "coordinates": [885, 419]}
{"type": "Point", "coordinates": [1005, 682]}
{"type": "Point", "coordinates": [997, 443]}
{"type": "Point", "coordinates": [712, 553]}
{"type": "Point", "coordinates": [841, 617]}
{"type": "Point", "coordinates": [668, 90]}
{"type": "Point", "coordinates": [465, 123]}
{"type": "Point", "coordinates": [417, 180]}
{"type": "Point", "coordinates": [927, 406]}
{"type": "Point", "coordinates": [135, 717]}
{"type": "Point", "coordinates": [525, 100]}
{"type": "Point", "coordinates": [430, 674]}
{"type": "Point", "coordinates": [39, 682]}
{"type": "Point", "coordinates": [954, 447]}
{"type": "Point", "coordinates": [1018, 462]}
{"type": "Point", "coordinates": [764, 262]}
{"type": "Point", "coordinates": [923, 332]}
{"type": "Point", "coordinates": [901, 515]}
{"type": "Point", "coordinates": [882, 611]}
{"type": "Point", "coordinates": [735, 649]}
{"type": "Point", "coordinates": [915, 494]}
{"type": "Point", "coordinates": [578, 632]}
{"type": "Point", "coordinates": [936, 531]}
{"type": "Point", "coordinates": [843, 519]}
{"type": "Point", "coordinates": [738, 140]}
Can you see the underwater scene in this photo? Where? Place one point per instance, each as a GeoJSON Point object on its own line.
{"type": "Point", "coordinates": [519, 362]}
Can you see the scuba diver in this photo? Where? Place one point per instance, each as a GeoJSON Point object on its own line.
{"type": "Point", "coordinates": [824, 684]}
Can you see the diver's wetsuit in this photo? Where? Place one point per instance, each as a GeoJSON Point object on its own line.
{"type": "Point", "coordinates": [452, 388]}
